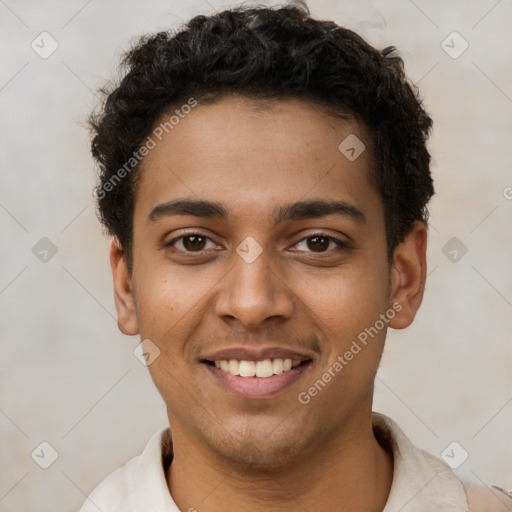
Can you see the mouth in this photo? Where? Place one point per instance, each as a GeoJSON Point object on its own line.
{"type": "Point", "coordinates": [256, 379]}
{"type": "Point", "coordinates": [261, 369]}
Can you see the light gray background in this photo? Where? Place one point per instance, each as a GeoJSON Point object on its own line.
{"type": "Point", "coordinates": [69, 377]}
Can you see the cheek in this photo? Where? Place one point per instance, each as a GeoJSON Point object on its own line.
{"type": "Point", "coordinates": [345, 310]}
{"type": "Point", "coordinates": [346, 300]}
{"type": "Point", "coordinates": [168, 300]}
{"type": "Point", "coordinates": [170, 307]}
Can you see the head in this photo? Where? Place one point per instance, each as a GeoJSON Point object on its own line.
{"type": "Point", "coordinates": [265, 178]}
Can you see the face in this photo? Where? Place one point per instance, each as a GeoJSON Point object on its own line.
{"type": "Point", "coordinates": [257, 240]}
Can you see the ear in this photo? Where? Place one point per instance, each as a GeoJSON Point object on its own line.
{"type": "Point", "coordinates": [408, 275]}
{"type": "Point", "coordinates": [123, 294]}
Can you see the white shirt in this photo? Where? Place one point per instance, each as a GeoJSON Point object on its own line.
{"type": "Point", "coordinates": [421, 482]}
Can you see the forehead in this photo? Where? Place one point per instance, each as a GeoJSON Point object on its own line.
{"type": "Point", "coordinates": [254, 155]}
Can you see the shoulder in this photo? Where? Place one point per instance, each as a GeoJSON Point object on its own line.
{"type": "Point", "coordinates": [140, 479]}
{"type": "Point", "coordinates": [420, 480]}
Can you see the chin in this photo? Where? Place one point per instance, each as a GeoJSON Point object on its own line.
{"type": "Point", "coordinates": [258, 458]}
{"type": "Point", "coordinates": [260, 451]}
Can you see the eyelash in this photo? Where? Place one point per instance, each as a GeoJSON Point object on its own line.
{"type": "Point", "coordinates": [341, 245]}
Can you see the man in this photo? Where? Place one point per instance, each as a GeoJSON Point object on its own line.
{"type": "Point", "coordinates": [265, 178]}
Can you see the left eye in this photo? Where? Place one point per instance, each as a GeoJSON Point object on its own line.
{"type": "Point", "coordinates": [320, 243]}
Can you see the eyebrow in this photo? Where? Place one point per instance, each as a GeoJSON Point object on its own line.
{"type": "Point", "coordinates": [299, 210]}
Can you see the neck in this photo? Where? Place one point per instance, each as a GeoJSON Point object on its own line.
{"type": "Point", "coordinates": [352, 473]}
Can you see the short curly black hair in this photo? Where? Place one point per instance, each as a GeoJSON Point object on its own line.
{"type": "Point", "coordinates": [265, 53]}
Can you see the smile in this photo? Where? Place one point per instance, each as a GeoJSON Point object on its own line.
{"type": "Point", "coordinates": [256, 379]}
{"type": "Point", "coordinates": [261, 369]}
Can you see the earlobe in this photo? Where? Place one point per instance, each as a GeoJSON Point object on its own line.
{"type": "Point", "coordinates": [123, 293]}
{"type": "Point", "coordinates": [408, 275]}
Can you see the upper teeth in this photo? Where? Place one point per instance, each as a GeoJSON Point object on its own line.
{"type": "Point", "coordinates": [265, 368]}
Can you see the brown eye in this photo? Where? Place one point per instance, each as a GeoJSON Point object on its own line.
{"type": "Point", "coordinates": [193, 245]}
{"type": "Point", "coordinates": [318, 243]}
{"type": "Point", "coordinates": [194, 242]}
{"type": "Point", "coordinates": [321, 243]}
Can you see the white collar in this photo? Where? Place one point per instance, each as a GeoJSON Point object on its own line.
{"type": "Point", "coordinates": [421, 482]}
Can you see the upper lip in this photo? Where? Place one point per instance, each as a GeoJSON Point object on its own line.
{"type": "Point", "coordinates": [256, 354]}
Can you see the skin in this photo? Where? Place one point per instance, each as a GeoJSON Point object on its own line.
{"type": "Point", "coordinates": [233, 453]}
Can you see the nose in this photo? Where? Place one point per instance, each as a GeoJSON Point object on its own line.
{"type": "Point", "coordinates": [254, 294]}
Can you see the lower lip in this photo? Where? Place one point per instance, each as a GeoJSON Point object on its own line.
{"type": "Point", "coordinates": [257, 387]}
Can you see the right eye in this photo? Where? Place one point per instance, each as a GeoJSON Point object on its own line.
{"type": "Point", "coordinates": [191, 242]}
